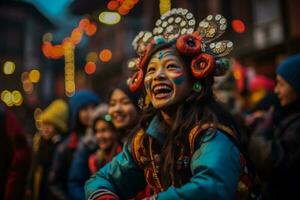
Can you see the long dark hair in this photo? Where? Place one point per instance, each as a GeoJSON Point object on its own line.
{"type": "Point", "coordinates": [197, 108]}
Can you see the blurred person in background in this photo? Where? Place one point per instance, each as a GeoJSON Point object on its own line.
{"type": "Point", "coordinates": [124, 111]}
{"type": "Point", "coordinates": [14, 157]}
{"type": "Point", "coordinates": [54, 121]}
{"type": "Point", "coordinates": [81, 106]}
{"type": "Point", "coordinates": [275, 143]}
{"type": "Point", "coordinates": [107, 141]}
{"type": "Point", "coordinates": [79, 169]}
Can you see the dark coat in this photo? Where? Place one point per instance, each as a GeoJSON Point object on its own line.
{"type": "Point", "coordinates": [14, 157]}
{"type": "Point", "coordinates": [79, 170]}
{"type": "Point", "coordinates": [275, 150]}
{"type": "Point", "coordinates": [42, 156]}
{"type": "Point", "coordinates": [59, 172]}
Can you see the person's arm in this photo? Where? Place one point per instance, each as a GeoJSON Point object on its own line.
{"type": "Point", "coordinates": [120, 179]}
{"type": "Point", "coordinates": [215, 167]}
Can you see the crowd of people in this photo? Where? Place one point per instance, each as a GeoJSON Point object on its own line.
{"type": "Point", "coordinates": [174, 130]}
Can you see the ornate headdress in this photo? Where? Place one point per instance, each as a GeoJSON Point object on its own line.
{"type": "Point", "coordinates": [177, 25]}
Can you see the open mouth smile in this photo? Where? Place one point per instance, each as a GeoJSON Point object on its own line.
{"type": "Point", "coordinates": [162, 90]}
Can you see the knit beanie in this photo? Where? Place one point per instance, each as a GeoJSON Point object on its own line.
{"type": "Point", "coordinates": [289, 70]}
{"type": "Point", "coordinates": [79, 100]}
{"type": "Point", "coordinates": [134, 97]}
{"type": "Point", "coordinates": [57, 114]}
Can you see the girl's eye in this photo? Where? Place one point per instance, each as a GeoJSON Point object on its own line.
{"type": "Point", "coordinates": [111, 104]}
{"type": "Point", "coordinates": [126, 102]}
{"type": "Point", "coordinates": [172, 66]}
{"type": "Point", "coordinates": [151, 69]}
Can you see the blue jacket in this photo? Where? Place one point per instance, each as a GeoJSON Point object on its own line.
{"type": "Point", "coordinates": [215, 167]}
{"type": "Point", "coordinates": [79, 170]}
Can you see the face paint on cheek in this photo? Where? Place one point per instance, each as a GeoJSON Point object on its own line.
{"type": "Point", "coordinates": [179, 79]}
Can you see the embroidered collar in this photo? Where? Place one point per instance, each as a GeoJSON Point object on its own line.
{"type": "Point", "coordinates": [154, 129]}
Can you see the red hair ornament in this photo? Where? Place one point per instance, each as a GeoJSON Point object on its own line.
{"type": "Point", "coordinates": [202, 65]}
{"type": "Point", "coordinates": [135, 82]}
{"type": "Point", "coordinates": [189, 44]}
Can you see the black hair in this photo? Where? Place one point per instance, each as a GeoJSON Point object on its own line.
{"type": "Point", "coordinates": [198, 108]}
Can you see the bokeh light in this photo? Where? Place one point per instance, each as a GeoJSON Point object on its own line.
{"type": "Point", "coordinates": [69, 69]}
{"type": "Point", "coordinates": [47, 37]}
{"type": "Point", "coordinates": [24, 76]}
{"type": "Point", "coordinates": [84, 23]}
{"type": "Point", "coordinates": [105, 55]}
{"type": "Point", "coordinates": [238, 26]}
{"type": "Point", "coordinates": [90, 68]}
{"type": "Point", "coordinates": [4, 94]}
{"type": "Point", "coordinates": [28, 86]}
{"type": "Point", "coordinates": [12, 98]}
{"type": "Point", "coordinates": [91, 29]}
{"type": "Point", "coordinates": [113, 5]}
{"type": "Point", "coordinates": [123, 10]}
{"type": "Point", "coordinates": [17, 98]}
{"type": "Point", "coordinates": [91, 57]}
{"type": "Point", "coordinates": [109, 18]}
{"type": "Point", "coordinates": [9, 67]}
{"type": "Point", "coordinates": [76, 35]}
{"type": "Point", "coordinates": [34, 76]}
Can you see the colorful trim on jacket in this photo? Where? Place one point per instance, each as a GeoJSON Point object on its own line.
{"type": "Point", "coordinates": [149, 161]}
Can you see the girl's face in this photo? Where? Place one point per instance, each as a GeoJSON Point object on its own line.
{"type": "Point", "coordinates": [104, 135]}
{"type": "Point", "coordinates": [166, 80]}
{"type": "Point", "coordinates": [285, 92]}
{"type": "Point", "coordinates": [48, 130]}
{"type": "Point", "coordinates": [85, 115]}
{"type": "Point", "coordinates": [122, 110]}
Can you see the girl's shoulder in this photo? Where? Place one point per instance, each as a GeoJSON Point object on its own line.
{"type": "Point", "coordinates": [203, 133]}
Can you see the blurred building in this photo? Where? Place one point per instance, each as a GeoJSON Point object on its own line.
{"type": "Point", "coordinates": [21, 32]}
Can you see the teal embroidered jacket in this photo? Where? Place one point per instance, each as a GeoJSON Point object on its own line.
{"type": "Point", "coordinates": [215, 168]}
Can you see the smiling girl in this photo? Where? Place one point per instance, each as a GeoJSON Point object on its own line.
{"type": "Point", "coordinates": [186, 146]}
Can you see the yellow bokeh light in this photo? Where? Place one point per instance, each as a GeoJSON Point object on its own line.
{"type": "Point", "coordinates": [9, 67]}
{"type": "Point", "coordinates": [3, 94]}
{"type": "Point", "coordinates": [34, 76]}
{"type": "Point", "coordinates": [6, 97]}
{"type": "Point", "coordinates": [17, 98]}
{"type": "Point", "coordinates": [109, 18]}
{"type": "Point", "coordinates": [91, 57]}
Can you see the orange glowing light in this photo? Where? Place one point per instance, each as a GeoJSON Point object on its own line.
{"type": "Point", "coordinates": [123, 11]}
{"type": "Point", "coordinates": [113, 5]}
{"type": "Point", "coordinates": [84, 23]}
{"type": "Point", "coordinates": [90, 68]}
{"type": "Point", "coordinates": [128, 4]}
{"type": "Point", "coordinates": [105, 55]}
{"type": "Point", "coordinates": [91, 29]}
{"type": "Point", "coordinates": [50, 51]}
{"type": "Point", "coordinates": [238, 26]}
{"type": "Point", "coordinates": [76, 35]}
